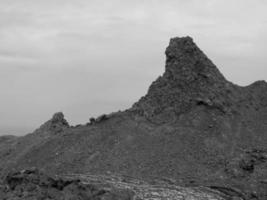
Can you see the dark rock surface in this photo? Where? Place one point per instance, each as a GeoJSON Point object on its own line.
{"type": "Point", "coordinates": [33, 184]}
{"type": "Point", "coordinates": [191, 79]}
{"type": "Point", "coordinates": [192, 126]}
{"type": "Point", "coordinates": [55, 125]}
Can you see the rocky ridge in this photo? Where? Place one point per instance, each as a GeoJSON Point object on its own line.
{"type": "Point", "coordinates": [191, 79]}
{"type": "Point", "coordinates": [192, 126]}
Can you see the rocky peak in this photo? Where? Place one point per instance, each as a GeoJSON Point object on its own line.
{"type": "Point", "coordinates": [190, 79]}
{"type": "Point", "coordinates": [59, 118]}
{"type": "Point", "coordinates": [185, 62]}
{"type": "Point", "coordinates": [55, 125]}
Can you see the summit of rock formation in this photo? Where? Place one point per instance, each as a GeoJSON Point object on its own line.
{"type": "Point", "coordinates": [55, 125]}
{"type": "Point", "coordinates": [186, 63]}
{"type": "Point", "coordinates": [190, 79]}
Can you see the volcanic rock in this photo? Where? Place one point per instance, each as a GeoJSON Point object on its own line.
{"type": "Point", "coordinates": [55, 125]}
{"type": "Point", "coordinates": [192, 126]}
{"type": "Point", "coordinates": [190, 79]}
{"type": "Point", "coordinates": [33, 184]}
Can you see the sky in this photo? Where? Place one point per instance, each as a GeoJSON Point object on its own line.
{"type": "Point", "coordinates": [89, 57]}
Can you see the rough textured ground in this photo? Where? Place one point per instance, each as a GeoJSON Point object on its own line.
{"type": "Point", "coordinates": [193, 126]}
{"type": "Point", "coordinates": [33, 184]}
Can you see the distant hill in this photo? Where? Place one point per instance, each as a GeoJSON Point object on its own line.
{"type": "Point", "coordinates": [192, 126]}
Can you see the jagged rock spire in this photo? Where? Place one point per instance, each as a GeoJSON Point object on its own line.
{"type": "Point", "coordinates": [189, 78]}
{"type": "Point", "coordinates": [186, 62]}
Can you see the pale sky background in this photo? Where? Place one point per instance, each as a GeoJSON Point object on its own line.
{"type": "Point", "coordinates": [89, 57]}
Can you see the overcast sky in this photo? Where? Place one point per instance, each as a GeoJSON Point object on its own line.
{"type": "Point", "coordinates": [86, 57]}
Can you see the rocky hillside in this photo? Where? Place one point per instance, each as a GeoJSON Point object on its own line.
{"type": "Point", "coordinates": [192, 126]}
